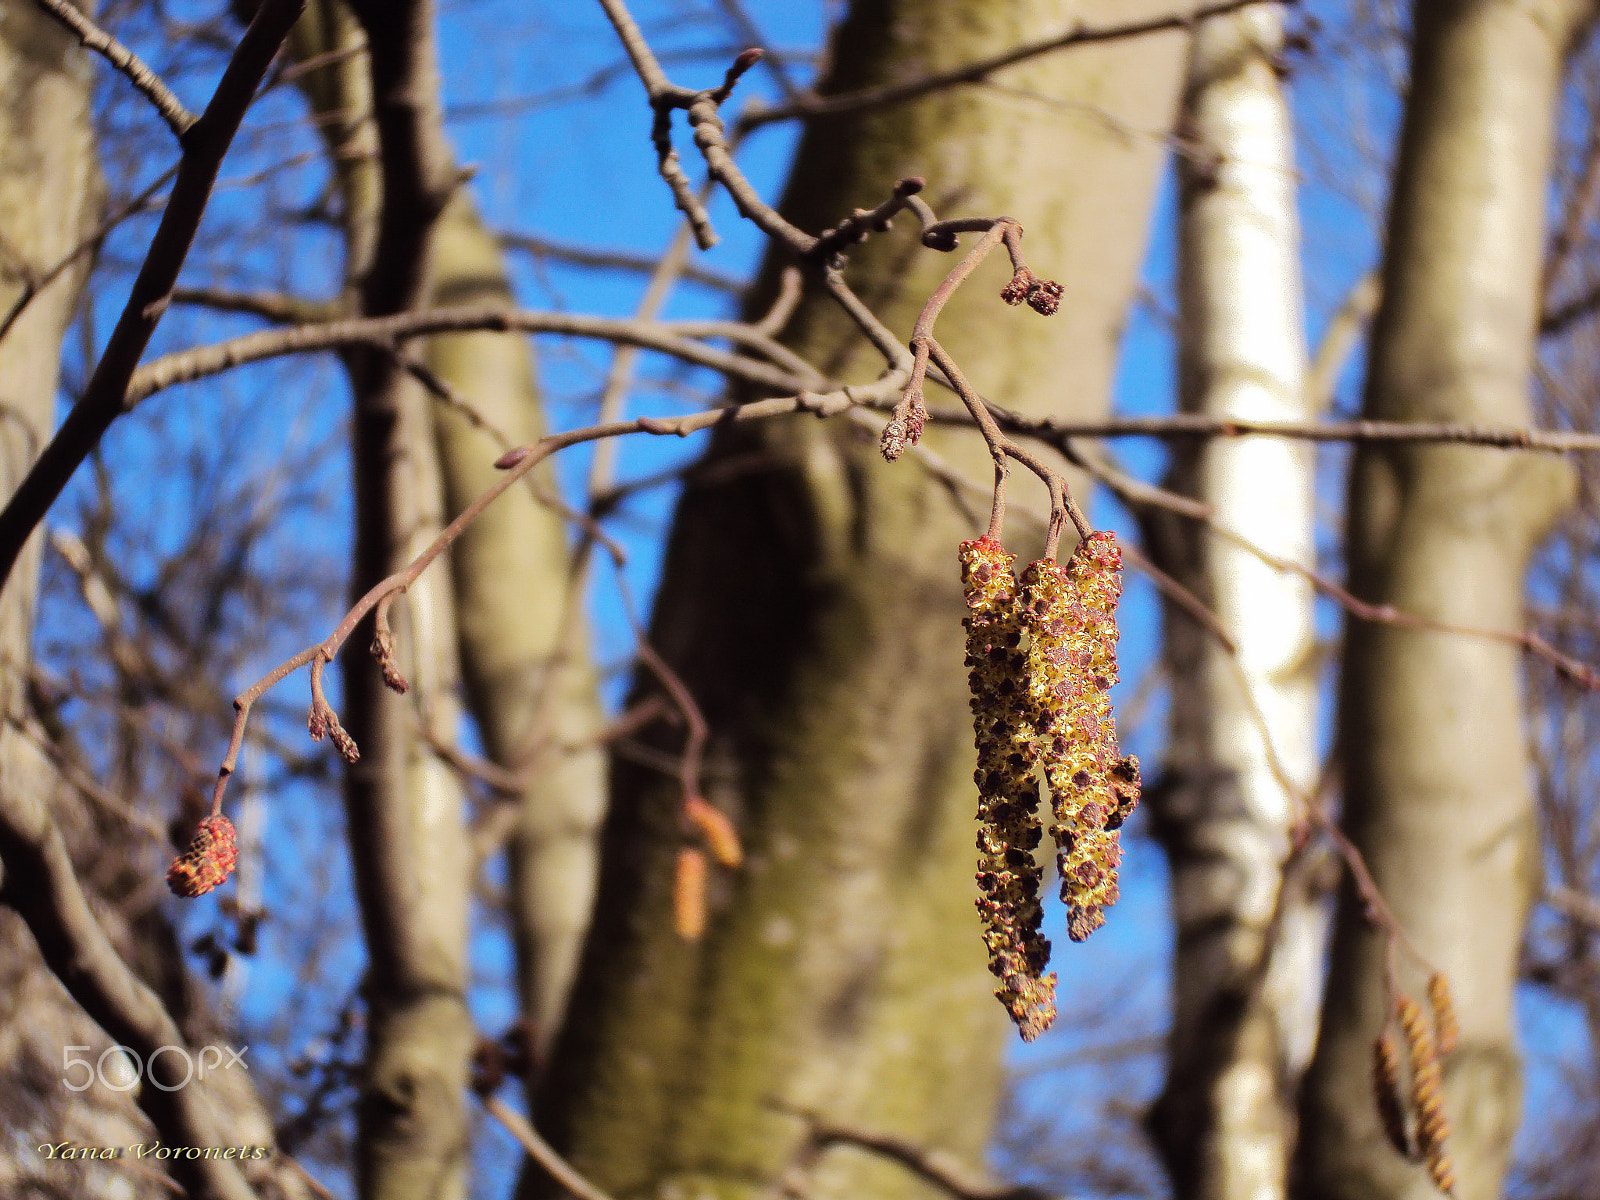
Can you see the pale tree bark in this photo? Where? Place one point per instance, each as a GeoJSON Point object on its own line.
{"type": "Point", "coordinates": [810, 600]}
{"type": "Point", "coordinates": [530, 684]}
{"type": "Point", "coordinates": [49, 190]}
{"type": "Point", "coordinates": [1248, 947]}
{"type": "Point", "coordinates": [1435, 761]}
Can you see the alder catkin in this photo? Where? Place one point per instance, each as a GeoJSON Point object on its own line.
{"type": "Point", "coordinates": [1008, 875]}
{"type": "Point", "coordinates": [1446, 1030]}
{"type": "Point", "coordinates": [1071, 616]}
{"type": "Point", "coordinates": [1427, 1095]}
{"type": "Point", "coordinates": [689, 894]}
{"type": "Point", "coordinates": [208, 861]}
{"type": "Point", "coordinates": [1386, 1091]}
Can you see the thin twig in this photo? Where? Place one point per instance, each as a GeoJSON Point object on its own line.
{"type": "Point", "coordinates": [34, 284]}
{"type": "Point", "coordinates": [680, 339]}
{"type": "Point", "coordinates": [517, 463]}
{"type": "Point", "coordinates": [178, 118]}
{"type": "Point", "coordinates": [541, 1151]}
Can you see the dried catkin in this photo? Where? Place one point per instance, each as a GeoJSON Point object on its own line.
{"type": "Point", "coordinates": [1386, 1091]}
{"type": "Point", "coordinates": [1427, 1098]}
{"type": "Point", "coordinates": [1008, 797]}
{"type": "Point", "coordinates": [1071, 615]}
{"type": "Point", "coordinates": [1446, 1030]}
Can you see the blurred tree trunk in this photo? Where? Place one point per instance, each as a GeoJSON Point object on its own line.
{"type": "Point", "coordinates": [1247, 969]}
{"type": "Point", "coordinates": [530, 684]}
{"type": "Point", "coordinates": [811, 602]}
{"type": "Point", "coordinates": [1435, 762]}
{"type": "Point", "coordinates": [404, 806]}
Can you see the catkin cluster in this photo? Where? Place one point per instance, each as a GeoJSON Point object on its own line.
{"type": "Point", "coordinates": [1008, 795]}
{"type": "Point", "coordinates": [1428, 1141]}
{"type": "Point", "coordinates": [1042, 659]}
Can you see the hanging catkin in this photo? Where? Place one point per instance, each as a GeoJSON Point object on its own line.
{"type": "Point", "coordinates": [1008, 796]}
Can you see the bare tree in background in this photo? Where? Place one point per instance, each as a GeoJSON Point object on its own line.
{"type": "Point", "coordinates": [1431, 738]}
{"type": "Point", "coordinates": [1242, 754]}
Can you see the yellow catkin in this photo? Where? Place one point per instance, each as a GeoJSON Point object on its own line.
{"type": "Point", "coordinates": [715, 830]}
{"type": "Point", "coordinates": [1427, 1095]}
{"type": "Point", "coordinates": [1071, 615]}
{"type": "Point", "coordinates": [1008, 797]}
{"type": "Point", "coordinates": [1446, 1030]}
{"type": "Point", "coordinates": [689, 894]}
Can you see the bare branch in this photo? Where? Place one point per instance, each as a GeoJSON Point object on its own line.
{"type": "Point", "coordinates": [269, 306]}
{"type": "Point", "coordinates": [204, 145]}
{"type": "Point", "coordinates": [178, 118]}
{"type": "Point", "coordinates": [541, 1151]}
{"type": "Point", "coordinates": [613, 260]}
{"type": "Point", "coordinates": [676, 338]}
{"type": "Point", "coordinates": [931, 1166]}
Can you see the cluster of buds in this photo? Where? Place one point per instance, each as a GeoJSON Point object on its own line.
{"type": "Point", "coordinates": [1041, 295]}
{"type": "Point", "coordinates": [1042, 659]}
{"type": "Point", "coordinates": [1424, 1046]}
{"type": "Point", "coordinates": [1008, 795]}
{"type": "Point", "coordinates": [207, 862]}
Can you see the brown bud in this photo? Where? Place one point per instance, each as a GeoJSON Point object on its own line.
{"type": "Point", "coordinates": [383, 651]}
{"type": "Point", "coordinates": [1045, 297]}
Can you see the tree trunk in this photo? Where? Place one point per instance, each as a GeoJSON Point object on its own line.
{"type": "Point", "coordinates": [811, 603]}
{"type": "Point", "coordinates": [404, 806]}
{"type": "Point", "coordinates": [1435, 762]}
{"type": "Point", "coordinates": [530, 684]}
{"type": "Point", "coordinates": [1248, 950]}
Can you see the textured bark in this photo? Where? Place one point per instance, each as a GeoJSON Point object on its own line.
{"type": "Point", "coordinates": [1247, 969]}
{"type": "Point", "coordinates": [1435, 764]}
{"type": "Point", "coordinates": [529, 681]}
{"type": "Point", "coordinates": [810, 601]}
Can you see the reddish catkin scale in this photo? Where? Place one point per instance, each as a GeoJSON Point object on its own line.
{"type": "Point", "coordinates": [1008, 875]}
{"type": "Point", "coordinates": [209, 860]}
